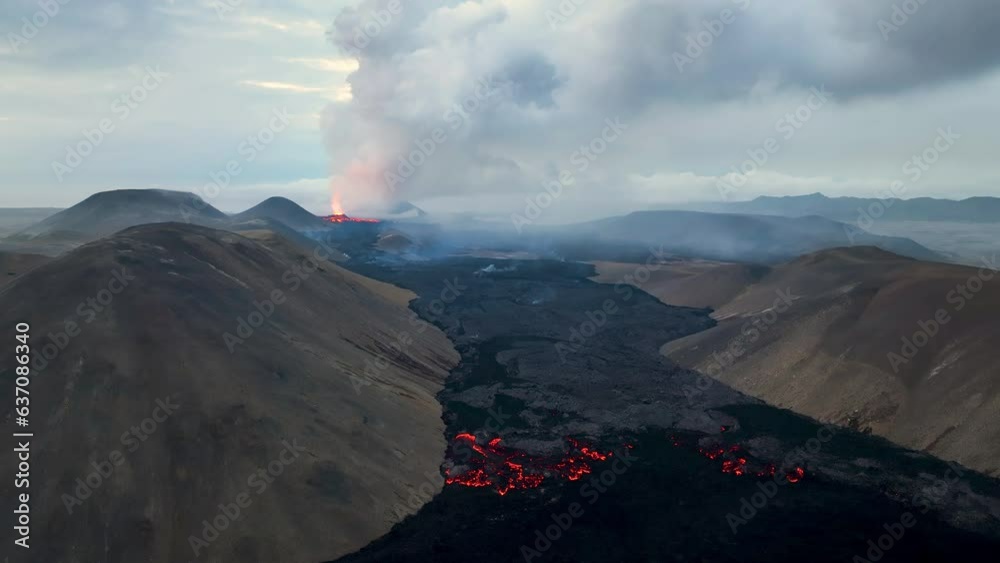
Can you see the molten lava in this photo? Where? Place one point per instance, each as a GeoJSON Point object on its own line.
{"type": "Point", "coordinates": [339, 216]}
{"type": "Point", "coordinates": [738, 465]}
{"type": "Point", "coordinates": [796, 475]}
{"type": "Point", "coordinates": [345, 219]}
{"type": "Point", "coordinates": [336, 207]}
{"type": "Point", "coordinates": [506, 469]}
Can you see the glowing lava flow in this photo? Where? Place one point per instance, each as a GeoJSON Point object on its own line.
{"type": "Point", "coordinates": [345, 219]}
{"type": "Point", "coordinates": [735, 464]}
{"type": "Point", "coordinates": [505, 469]}
{"type": "Point", "coordinates": [796, 475]}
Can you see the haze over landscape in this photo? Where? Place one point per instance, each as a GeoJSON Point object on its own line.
{"type": "Point", "coordinates": [498, 280]}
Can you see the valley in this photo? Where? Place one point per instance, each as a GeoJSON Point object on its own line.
{"type": "Point", "coordinates": [688, 458]}
{"type": "Point", "coordinates": [500, 281]}
{"type": "Point", "coordinates": [845, 349]}
{"type": "Point", "coordinates": [432, 396]}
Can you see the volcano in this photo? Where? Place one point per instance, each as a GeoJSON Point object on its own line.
{"type": "Point", "coordinates": [284, 210]}
{"type": "Point", "coordinates": [105, 213]}
{"type": "Point", "coordinates": [344, 218]}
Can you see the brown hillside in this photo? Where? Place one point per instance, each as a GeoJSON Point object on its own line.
{"type": "Point", "coordinates": [300, 378]}
{"type": "Point", "coordinates": [828, 356]}
{"type": "Point", "coordinates": [13, 264]}
{"type": "Point", "coordinates": [688, 283]}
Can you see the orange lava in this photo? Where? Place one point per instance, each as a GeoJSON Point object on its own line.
{"type": "Point", "coordinates": [734, 464]}
{"type": "Point", "coordinates": [505, 469]}
{"type": "Point", "coordinates": [338, 215]}
{"type": "Point", "coordinates": [341, 218]}
{"type": "Point", "coordinates": [336, 207]}
{"type": "Point", "coordinates": [796, 475]}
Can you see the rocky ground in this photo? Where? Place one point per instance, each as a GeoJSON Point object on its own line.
{"type": "Point", "coordinates": [572, 439]}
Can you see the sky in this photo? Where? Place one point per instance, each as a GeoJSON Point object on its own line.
{"type": "Point", "coordinates": [582, 107]}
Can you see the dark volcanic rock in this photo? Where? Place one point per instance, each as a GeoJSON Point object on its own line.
{"type": "Point", "coordinates": [667, 495]}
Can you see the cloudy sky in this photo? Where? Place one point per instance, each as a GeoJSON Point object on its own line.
{"type": "Point", "coordinates": [477, 105]}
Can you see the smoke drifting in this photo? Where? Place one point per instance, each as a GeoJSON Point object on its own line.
{"type": "Point", "coordinates": [421, 125]}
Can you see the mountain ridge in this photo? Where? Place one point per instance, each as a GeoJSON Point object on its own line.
{"type": "Point", "coordinates": [257, 351]}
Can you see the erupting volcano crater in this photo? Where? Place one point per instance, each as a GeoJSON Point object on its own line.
{"type": "Point", "coordinates": [343, 218]}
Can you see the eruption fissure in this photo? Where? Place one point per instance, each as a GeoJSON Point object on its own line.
{"type": "Point", "coordinates": [348, 219]}
{"type": "Point", "coordinates": [736, 464]}
{"type": "Point", "coordinates": [506, 469]}
{"type": "Point", "coordinates": [339, 216]}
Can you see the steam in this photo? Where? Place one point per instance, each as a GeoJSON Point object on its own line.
{"type": "Point", "coordinates": [558, 70]}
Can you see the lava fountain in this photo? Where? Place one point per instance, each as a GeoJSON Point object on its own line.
{"type": "Point", "coordinates": [339, 216]}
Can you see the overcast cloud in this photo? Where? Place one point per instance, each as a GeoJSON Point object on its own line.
{"type": "Point", "coordinates": [476, 105]}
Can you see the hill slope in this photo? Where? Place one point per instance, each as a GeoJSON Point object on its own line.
{"type": "Point", "coordinates": [258, 382]}
{"type": "Point", "coordinates": [849, 209]}
{"type": "Point", "coordinates": [283, 210]}
{"type": "Point", "coordinates": [267, 231]}
{"type": "Point", "coordinates": [13, 264]}
{"type": "Point", "coordinates": [687, 283]}
{"type": "Point", "coordinates": [838, 353]}
{"type": "Point", "coordinates": [108, 212]}
{"type": "Point", "coordinates": [13, 219]}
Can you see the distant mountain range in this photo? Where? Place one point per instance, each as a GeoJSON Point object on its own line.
{"type": "Point", "coordinates": [740, 238]}
{"type": "Point", "coordinates": [284, 210]}
{"type": "Point", "coordinates": [849, 209]}
{"type": "Point", "coordinates": [745, 237]}
{"type": "Point", "coordinates": [17, 218]}
{"type": "Point", "coordinates": [106, 213]}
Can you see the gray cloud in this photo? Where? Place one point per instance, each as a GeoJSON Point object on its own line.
{"type": "Point", "coordinates": [618, 60]}
{"type": "Point", "coordinates": [554, 83]}
{"type": "Point", "coordinates": [794, 45]}
{"type": "Point", "coordinates": [88, 34]}
{"type": "Point", "coordinates": [532, 80]}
